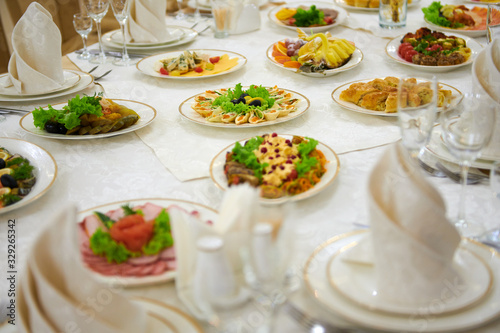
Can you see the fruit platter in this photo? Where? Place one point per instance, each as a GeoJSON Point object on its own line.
{"type": "Point", "coordinates": [284, 167]}
{"type": "Point", "coordinates": [317, 55]}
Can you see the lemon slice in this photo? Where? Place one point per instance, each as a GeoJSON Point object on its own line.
{"type": "Point", "coordinates": [4, 155]}
{"type": "Point", "coordinates": [4, 190]}
{"type": "Point", "coordinates": [5, 171]}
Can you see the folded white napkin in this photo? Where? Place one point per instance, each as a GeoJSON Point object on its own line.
{"type": "Point", "coordinates": [35, 65]}
{"type": "Point", "coordinates": [60, 295]}
{"type": "Point", "coordinates": [147, 21]}
{"type": "Point", "coordinates": [412, 242]}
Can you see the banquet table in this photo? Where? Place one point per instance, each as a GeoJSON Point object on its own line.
{"type": "Point", "coordinates": [170, 158]}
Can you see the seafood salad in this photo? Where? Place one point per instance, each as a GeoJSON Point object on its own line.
{"type": "Point", "coordinates": [16, 177]}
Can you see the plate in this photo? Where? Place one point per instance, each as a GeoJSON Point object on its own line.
{"type": "Point", "coordinates": [357, 282]}
{"type": "Point", "coordinates": [145, 112]}
{"type": "Point", "coordinates": [332, 170]}
{"type": "Point", "coordinates": [71, 79]}
{"type": "Point", "coordinates": [356, 58]}
{"type": "Point", "coordinates": [343, 4]}
{"type": "Point", "coordinates": [176, 35]}
{"type": "Point", "coordinates": [206, 214]}
{"type": "Point", "coordinates": [189, 35]}
{"type": "Point", "coordinates": [187, 112]}
{"type": "Point", "coordinates": [331, 300]}
{"type": "Point", "coordinates": [342, 15]}
{"type": "Point", "coordinates": [84, 81]}
{"type": "Point", "coordinates": [146, 65]}
{"type": "Point", "coordinates": [205, 4]}
{"type": "Point", "coordinates": [391, 50]}
{"type": "Point", "coordinates": [45, 169]}
{"type": "Point", "coordinates": [353, 107]}
{"type": "Point", "coordinates": [175, 320]}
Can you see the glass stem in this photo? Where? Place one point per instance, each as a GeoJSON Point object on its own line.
{"type": "Point", "coordinates": [84, 40]}
{"type": "Point", "coordinates": [461, 208]}
{"type": "Point", "coordinates": [101, 49]}
{"type": "Point", "coordinates": [124, 50]}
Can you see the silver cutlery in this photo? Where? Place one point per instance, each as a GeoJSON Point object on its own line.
{"type": "Point", "coordinates": [432, 171]}
{"type": "Point", "coordinates": [101, 76]}
{"type": "Point", "coordinates": [116, 54]}
{"type": "Point", "coordinates": [93, 69]}
{"type": "Point", "coordinates": [472, 178]}
{"type": "Point", "coordinates": [10, 110]}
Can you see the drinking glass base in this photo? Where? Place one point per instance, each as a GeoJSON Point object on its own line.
{"type": "Point", "coordinates": [469, 229]}
{"type": "Point", "coordinates": [99, 59]}
{"type": "Point", "coordinates": [83, 56]}
{"type": "Point", "coordinates": [124, 62]}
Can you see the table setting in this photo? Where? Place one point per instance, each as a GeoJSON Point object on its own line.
{"type": "Point", "coordinates": [371, 201]}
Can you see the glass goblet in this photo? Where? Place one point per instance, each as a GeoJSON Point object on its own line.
{"type": "Point", "coordinates": [83, 26]}
{"type": "Point", "coordinates": [121, 10]}
{"type": "Point", "coordinates": [180, 13]}
{"type": "Point", "coordinates": [492, 237]}
{"type": "Point", "coordinates": [97, 9]}
{"type": "Point", "coordinates": [466, 129]}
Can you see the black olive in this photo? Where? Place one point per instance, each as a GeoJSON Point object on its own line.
{"type": "Point", "coordinates": [52, 127]}
{"type": "Point", "coordinates": [2, 163]}
{"type": "Point", "coordinates": [235, 101]}
{"type": "Point", "coordinates": [61, 129]}
{"type": "Point", "coordinates": [255, 102]}
{"type": "Point", "coordinates": [242, 96]}
{"type": "Point", "coordinates": [8, 181]}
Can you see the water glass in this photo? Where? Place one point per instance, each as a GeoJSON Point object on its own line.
{"type": "Point", "coordinates": [392, 13]}
{"type": "Point", "coordinates": [221, 10]}
{"type": "Point", "coordinates": [493, 22]}
{"type": "Point", "coordinates": [121, 10]}
{"type": "Point", "coordinates": [83, 26]}
{"type": "Point", "coordinates": [97, 9]}
{"type": "Point", "coordinates": [180, 13]}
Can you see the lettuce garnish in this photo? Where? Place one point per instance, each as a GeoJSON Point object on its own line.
{"type": "Point", "coordinates": [224, 101]}
{"type": "Point", "coordinates": [306, 162]}
{"type": "Point", "coordinates": [245, 155]}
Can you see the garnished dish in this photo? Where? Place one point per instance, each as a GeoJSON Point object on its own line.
{"type": "Point", "coordinates": [283, 167]}
{"type": "Point", "coordinates": [16, 177]}
{"type": "Point", "coordinates": [320, 53]}
{"type": "Point", "coordinates": [469, 21]}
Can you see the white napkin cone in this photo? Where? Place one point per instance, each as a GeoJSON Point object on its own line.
{"type": "Point", "coordinates": [58, 294]}
{"type": "Point", "coordinates": [147, 21]}
{"type": "Point", "coordinates": [35, 65]}
{"type": "Point", "coordinates": [412, 242]}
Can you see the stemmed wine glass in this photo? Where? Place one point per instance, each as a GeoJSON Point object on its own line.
{"type": "Point", "coordinates": [467, 128]}
{"type": "Point", "coordinates": [97, 9]}
{"type": "Point", "coordinates": [493, 236]}
{"type": "Point", "coordinates": [121, 9]}
{"type": "Point", "coordinates": [180, 13]}
{"type": "Point", "coordinates": [83, 26]}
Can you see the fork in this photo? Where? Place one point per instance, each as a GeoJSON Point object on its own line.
{"type": "Point", "coordinates": [103, 75]}
{"type": "Point", "coordinates": [457, 178]}
{"type": "Point", "coordinates": [432, 171]}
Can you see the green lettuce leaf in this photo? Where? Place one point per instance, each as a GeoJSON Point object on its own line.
{"type": "Point", "coordinates": [306, 163]}
{"type": "Point", "coordinates": [306, 18]}
{"type": "Point", "coordinates": [102, 244]}
{"type": "Point", "coordinates": [162, 237]}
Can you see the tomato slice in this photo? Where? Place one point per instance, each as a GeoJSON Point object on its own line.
{"type": "Point", "coordinates": [214, 60]}
{"type": "Point", "coordinates": [163, 71]}
{"type": "Point", "coordinates": [409, 55]}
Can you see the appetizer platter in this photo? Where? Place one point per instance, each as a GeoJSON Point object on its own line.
{"type": "Point", "coordinates": [433, 51]}
{"type": "Point", "coordinates": [314, 16]}
{"type": "Point", "coordinates": [131, 241]}
{"type": "Point", "coordinates": [191, 64]}
{"type": "Point", "coordinates": [284, 167]}
{"type": "Point", "coordinates": [379, 96]}
{"type": "Point", "coordinates": [89, 117]}
{"type": "Point", "coordinates": [27, 172]}
{"type": "Point", "coordinates": [318, 55]}
{"type": "Point", "coordinates": [240, 106]}
{"type": "Point", "coordinates": [466, 20]}
{"type": "Point", "coordinates": [366, 5]}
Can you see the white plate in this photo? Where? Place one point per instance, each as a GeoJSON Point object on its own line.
{"type": "Point", "coordinates": [342, 3]}
{"type": "Point", "coordinates": [189, 35]}
{"type": "Point", "coordinates": [146, 65]}
{"type": "Point", "coordinates": [85, 81]}
{"type": "Point", "coordinates": [145, 112]}
{"type": "Point", "coordinates": [356, 58]}
{"type": "Point", "coordinates": [332, 170]}
{"type": "Point", "coordinates": [205, 4]}
{"type": "Point", "coordinates": [353, 107]}
{"type": "Point", "coordinates": [187, 112]}
{"type": "Point", "coordinates": [315, 279]}
{"type": "Point", "coordinates": [45, 169]}
{"type": "Point", "coordinates": [342, 15]}
{"type": "Point", "coordinates": [173, 320]}
{"type": "Point", "coordinates": [206, 213]}
{"type": "Point", "coordinates": [358, 283]}
{"type": "Point", "coordinates": [392, 51]}
{"type": "Point", "coordinates": [176, 35]}
{"type": "Point", "coordinates": [71, 79]}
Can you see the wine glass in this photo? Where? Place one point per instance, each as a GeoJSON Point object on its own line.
{"type": "Point", "coordinates": [121, 10]}
{"type": "Point", "coordinates": [83, 26]}
{"type": "Point", "coordinates": [180, 13]}
{"type": "Point", "coordinates": [493, 236]}
{"type": "Point", "coordinates": [97, 9]}
{"type": "Point", "coordinates": [417, 105]}
{"type": "Point", "coordinates": [467, 128]}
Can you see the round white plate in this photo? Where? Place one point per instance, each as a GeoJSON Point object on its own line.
{"type": "Point", "coordinates": [188, 36]}
{"type": "Point", "coordinates": [205, 4]}
{"type": "Point", "coordinates": [147, 65]}
{"type": "Point", "coordinates": [176, 35]}
{"type": "Point", "coordinates": [84, 81]}
{"type": "Point", "coordinates": [71, 79]}
{"type": "Point", "coordinates": [45, 169]}
{"type": "Point", "coordinates": [392, 51]}
{"type": "Point", "coordinates": [315, 279]}
{"type": "Point", "coordinates": [187, 112]}
{"type": "Point", "coordinates": [145, 112]}
{"type": "Point", "coordinates": [358, 283]}
{"type": "Point", "coordinates": [342, 15]}
{"type": "Point", "coordinates": [353, 107]}
{"type": "Point", "coordinates": [169, 318]}
{"type": "Point", "coordinates": [342, 3]}
{"type": "Point", "coordinates": [206, 214]}
{"type": "Point", "coordinates": [356, 58]}
{"type": "Point", "coordinates": [332, 170]}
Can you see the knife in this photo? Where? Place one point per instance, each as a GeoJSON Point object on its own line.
{"type": "Point", "coordinates": [8, 110]}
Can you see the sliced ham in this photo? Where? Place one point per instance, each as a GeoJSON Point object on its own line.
{"type": "Point", "coordinates": [167, 253]}
{"type": "Point", "coordinates": [92, 223]}
{"type": "Point", "coordinates": [116, 214]}
{"type": "Point", "coordinates": [159, 268]}
{"type": "Point", "coordinates": [150, 211]}
{"type": "Point", "coordinates": [144, 260]}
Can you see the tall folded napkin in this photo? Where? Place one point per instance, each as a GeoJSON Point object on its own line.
{"type": "Point", "coordinates": [35, 65]}
{"type": "Point", "coordinates": [147, 21]}
{"type": "Point", "coordinates": [59, 293]}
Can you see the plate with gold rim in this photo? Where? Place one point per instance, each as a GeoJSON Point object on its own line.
{"type": "Point", "coordinates": [365, 5]}
{"type": "Point", "coordinates": [71, 79]}
{"type": "Point", "coordinates": [483, 311]}
{"type": "Point", "coordinates": [175, 35]}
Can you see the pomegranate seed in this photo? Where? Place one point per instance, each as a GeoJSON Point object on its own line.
{"type": "Point", "coordinates": [263, 150]}
{"type": "Point", "coordinates": [274, 135]}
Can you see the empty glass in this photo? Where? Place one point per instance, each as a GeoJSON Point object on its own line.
{"type": "Point", "coordinates": [97, 9]}
{"type": "Point", "coordinates": [180, 13]}
{"type": "Point", "coordinates": [121, 10]}
{"type": "Point", "coordinates": [83, 26]}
